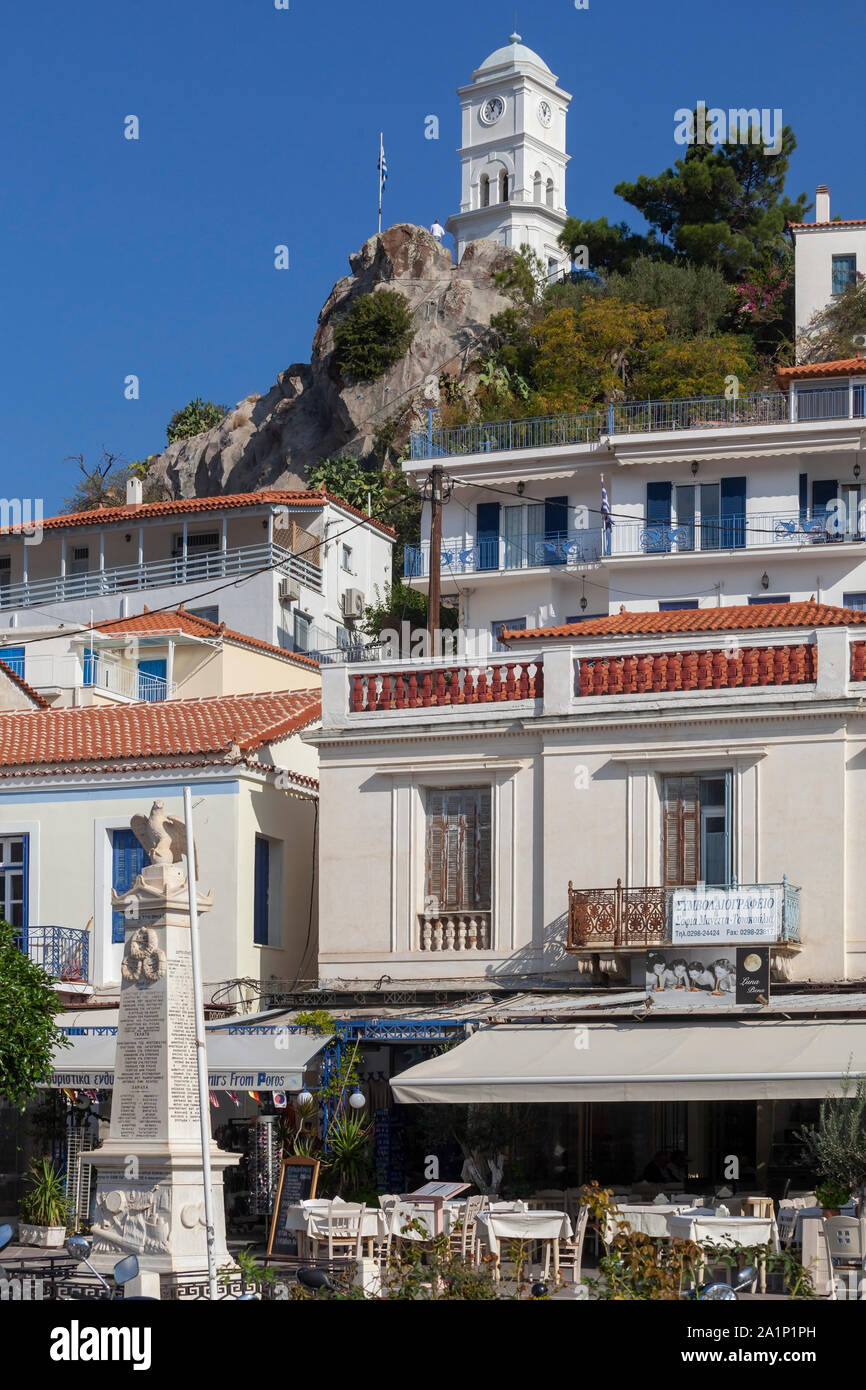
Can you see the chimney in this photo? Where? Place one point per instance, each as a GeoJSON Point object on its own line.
{"type": "Point", "coordinates": [822, 203]}
{"type": "Point", "coordinates": [133, 492]}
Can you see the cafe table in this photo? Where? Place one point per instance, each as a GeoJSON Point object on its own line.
{"type": "Point", "coordinates": [708, 1228]}
{"type": "Point", "coordinates": [645, 1218]}
{"type": "Point", "coordinates": [546, 1227]}
{"type": "Point", "coordinates": [310, 1220]}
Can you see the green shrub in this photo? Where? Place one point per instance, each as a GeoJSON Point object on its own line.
{"type": "Point", "coordinates": [195, 417]}
{"type": "Point", "coordinates": [374, 333]}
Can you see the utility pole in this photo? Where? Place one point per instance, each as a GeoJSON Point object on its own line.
{"type": "Point", "coordinates": [433, 594]}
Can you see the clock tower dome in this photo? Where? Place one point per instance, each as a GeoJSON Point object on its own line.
{"type": "Point", "coordinates": [513, 156]}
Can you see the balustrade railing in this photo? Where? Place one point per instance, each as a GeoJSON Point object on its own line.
{"type": "Point", "coordinates": [423, 687]}
{"type": "Point", "coordinates": [454, 931]}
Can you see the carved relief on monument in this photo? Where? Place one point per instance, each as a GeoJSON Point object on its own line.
{"type": "Point", "coordinates": [137, 1220]}
{"type": "Point", "coordinates": [143, 962]}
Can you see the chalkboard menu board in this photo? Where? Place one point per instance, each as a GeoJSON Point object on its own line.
{"type": "Point", "coordinates": [297, 1183]}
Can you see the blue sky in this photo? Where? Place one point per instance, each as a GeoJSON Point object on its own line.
{"type": "Point", "coordinates": [260, 127]}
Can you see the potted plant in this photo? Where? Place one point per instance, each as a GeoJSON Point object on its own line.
{"type": "Point", "coordinates": [45, 1209]}
{"type": "Point", "coordinates": [836, 1147]}
{"type": "Point", "coordinates": [832, 1195]}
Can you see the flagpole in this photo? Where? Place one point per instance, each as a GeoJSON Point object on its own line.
{"type": "Point", "coordinates": [381, 157]}
{"type": "Point", "coordinates": [200, 1045]}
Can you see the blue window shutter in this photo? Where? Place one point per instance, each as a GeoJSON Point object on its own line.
{"type": "Point", "coordinates": [487, 535]}
{"type": "Point", "coordinates": [127, 861]}
{"type": "Point", "coordinates": [14, 659]}
{"type": "Point", "coordinates": [261, 888]}
{"type": "Point", "coordinates": [658, 503]}
{"type": "Point", "coordinates": [733, 497]}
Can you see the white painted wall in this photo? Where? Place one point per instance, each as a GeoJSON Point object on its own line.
{"type": "Point", "coordinates": [814, 249]}
{"type": "Point", "coordinates": [799, 772]}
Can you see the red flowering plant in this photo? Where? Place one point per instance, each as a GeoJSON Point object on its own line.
{"type": "Point", "coordinates": [760, 297]}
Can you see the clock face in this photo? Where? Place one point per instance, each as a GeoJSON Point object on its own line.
{"type": "Point", "coordinates": [545, 115]}
{"type": "Point", "coordinates": [492, 110]}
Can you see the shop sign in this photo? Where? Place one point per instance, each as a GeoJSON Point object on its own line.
{"type": "Point", "coordinates": [726, 915]}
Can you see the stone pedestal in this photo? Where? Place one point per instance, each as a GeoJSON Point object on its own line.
{"type": "Point", "coordinates": [149, 1190]}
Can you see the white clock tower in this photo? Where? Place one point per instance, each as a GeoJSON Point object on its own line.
{"type": "Point", "coordinates": [513, 156]}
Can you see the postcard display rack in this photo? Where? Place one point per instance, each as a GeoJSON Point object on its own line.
{"type": "Point", "coordinates": [265, 1156]}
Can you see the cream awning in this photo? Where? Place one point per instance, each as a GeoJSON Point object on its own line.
{"type": "Point", "coordinates": [730, 1059]}
{"type": "Point", "coordinates": [244, 1056]}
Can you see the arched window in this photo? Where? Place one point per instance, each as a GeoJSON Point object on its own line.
{"type": "Point", "coordinates": [503, 186]}
{"type": "Point", "coordinates": [485, 191]}
{"type": "Point", "coordinates": [550, 193]}
{"type": "Point", "coordinates": [536, 187]}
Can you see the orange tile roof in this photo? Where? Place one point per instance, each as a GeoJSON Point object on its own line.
{"type": "Point", "coordinates": [846, 366]}
{"type": "Point", "coordinates": [185, 506]}
{"type": "Point", "coordinates": [734, 618]}
{"type": "Point", "coordinates": [216, 724]}
{"type": "Point", "coordinates": [178, 620]}
{"type": "Point", "coordinates": [28, 690]}
{"type": "Point", "coordinates": [850, 222]}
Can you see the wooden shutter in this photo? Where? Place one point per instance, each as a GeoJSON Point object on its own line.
{"type": "Point", "coordinates": [681, 848]}
{"type": "Point", "coordinates": [458, 850]}
{"type": "Point", "coordinates": [261, 891]}
{"type": "Point", "coordinates": [128, 858]}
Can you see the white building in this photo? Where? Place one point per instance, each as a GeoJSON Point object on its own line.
{"type": "Point", "coordinates": [485, 812]}
{"type": "Point", "coordinates": [292, 568]}
{"type": "Point", "coordinates": [70, 779]}
{"type": "Point", "coordinates": [513, 156]}
{"type": "Point", "coordinates": [755, 500]}
{"type": "Point", "coordinates": [828, 257]}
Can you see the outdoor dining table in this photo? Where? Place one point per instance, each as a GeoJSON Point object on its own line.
{"type": "Point", "coordinates": [646, 1218]}
{"type": "Point", "coordinates": [425, 1215]}
{"type": "Point", "coordinates": [708, 1228]}
{"type": "Point", "coordinates": [310, 1220]}
{"type": "Point", "coordinates": [547, 1227]}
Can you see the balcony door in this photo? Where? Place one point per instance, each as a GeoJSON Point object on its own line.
{"type": "Point", "coordinates": [487, 535]}
{"type": "Point", "coordinates": [696, 830]}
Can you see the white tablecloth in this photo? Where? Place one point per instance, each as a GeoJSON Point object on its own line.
{"type": "Point", "coordinates": [724, 1230]}
{"type": "Point", "coordinates": [311, 1217]}
{"type": "Point", "coordinates": [494, 1226]}
{"type": "Point", "coordinates": [650, 1219]}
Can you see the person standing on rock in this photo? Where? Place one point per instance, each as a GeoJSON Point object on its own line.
{"type": "Point", "coordinates": [437, 230]}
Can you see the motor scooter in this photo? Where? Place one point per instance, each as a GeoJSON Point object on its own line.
{"type": "Point", "coordinates": [723, 1293]}
{"type": "Point", "coordinates": [80, 1248]}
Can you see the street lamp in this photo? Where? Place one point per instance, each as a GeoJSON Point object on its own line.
{"type": "Point", "coordinates": [357, 1100]}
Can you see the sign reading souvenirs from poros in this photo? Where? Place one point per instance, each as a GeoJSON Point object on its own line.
{"type": "Point", "coordinates": [726, 915]}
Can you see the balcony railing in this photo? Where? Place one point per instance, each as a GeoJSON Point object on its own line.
{"type": "Point", "coordinates": [63, 952]}
{"type": "Point", "coordinates": [454, 931]}
{"type": "Point", "coordinates": [639, 417]}
{"type": "Point", "coordinates": [461, 683]}
{"type": "Point", "coordinates": [161, 574]}
{"type": "Point", "coordinates": [620, 918]}
{"type": "Point", "coordinates": [69, 672]}
{"type": "Point", "coordinates": [578, 548]}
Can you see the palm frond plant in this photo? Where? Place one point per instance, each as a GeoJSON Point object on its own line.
{"type": "Point", "coordinates": [45, 1202]}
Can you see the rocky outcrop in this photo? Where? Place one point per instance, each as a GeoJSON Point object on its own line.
{"type": "Point", "coordinates": [312, 412]}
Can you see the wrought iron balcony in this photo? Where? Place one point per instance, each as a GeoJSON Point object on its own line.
{"type": "Point", "coordinates": [580, 548]}
{"type": "Point", "coordinates": [63, 952]}
{"type": "Point", "coordinates": [634, 919]}
{"type": "Point", "coordinates": [640, 417]}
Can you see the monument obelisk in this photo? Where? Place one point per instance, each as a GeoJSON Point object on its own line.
{"type": "Point", "coordinates": [150, 1192]}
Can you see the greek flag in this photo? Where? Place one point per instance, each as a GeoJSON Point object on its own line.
{"type": "Point", "coordinates": [606, 517]}
{"type": "Point", "coordinates": [383, 169]}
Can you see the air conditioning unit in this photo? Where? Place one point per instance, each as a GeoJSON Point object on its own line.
{"type": "Point", "coordinates": [353, 603]}
{"type": "Point", "coordinates": [290, 592]}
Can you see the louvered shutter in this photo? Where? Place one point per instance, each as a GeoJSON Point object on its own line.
{"type": "Point", "coordinates": [127, 861]}
{"type": "Point", "coordinates": [458, 848]}
{"type": "Point", "coordinates": [682, 821]}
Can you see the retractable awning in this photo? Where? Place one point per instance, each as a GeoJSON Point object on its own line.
{"type": "Point", "coordinates": [731, 1059]}
{"type": "Point", "coordinates": [251, 1056]}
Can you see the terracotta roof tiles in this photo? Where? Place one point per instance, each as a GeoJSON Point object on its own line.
{"type": "Point", "coordinates": [178, 620]}
{"type": "Point", "coordinates": [168, 728]}
{"type": "Point", "coordinates": [22, 685]}
{"type": "Point", "coordinates": [185, 506]}
{"type": "Point", "coordinates": [734, 618]}
{"type": "Point", "coordinates": [846, 366]}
